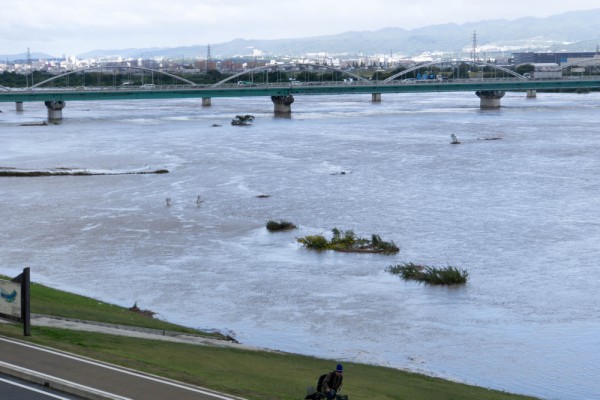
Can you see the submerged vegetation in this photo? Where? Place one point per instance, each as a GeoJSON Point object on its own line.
{"type": "Point", "coordinates": [281, 225]}
{"type": "Point", "coordinates": [12, 172]}
{"type": "Point", "coordinates": [432, 275]}
{"type": "Point", "coordinates": [242, 120]}
{"type": "Point", "coordinates": [347, 241]}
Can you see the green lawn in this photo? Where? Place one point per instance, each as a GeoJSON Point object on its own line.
{"type": "Point", "coordinates": [53, 302]}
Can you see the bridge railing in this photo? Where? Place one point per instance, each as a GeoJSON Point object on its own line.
{"type": "Point", "coordinates": [289, 85]}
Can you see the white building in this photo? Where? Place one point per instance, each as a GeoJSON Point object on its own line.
{"type": "Point", "coordinates": [546, 71]}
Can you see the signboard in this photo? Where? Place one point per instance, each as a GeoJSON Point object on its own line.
{"type": "Point", "coordinates": [10, 298]}
{"type": "Point", "coordinates": [15, 302]}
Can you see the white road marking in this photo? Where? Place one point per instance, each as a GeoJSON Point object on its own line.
{"type": "Point", "coordinates": [122, 370]}
{"type": "Point", "coordinates": [33, 389]}
{"type": "Point", "coordinates": [57, 383]}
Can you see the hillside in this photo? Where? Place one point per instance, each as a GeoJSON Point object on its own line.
{"type": "Point", "coordinates": [571, 31]}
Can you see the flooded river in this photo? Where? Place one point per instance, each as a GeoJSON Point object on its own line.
{"type": "Point", "coordinates": [519, 213]}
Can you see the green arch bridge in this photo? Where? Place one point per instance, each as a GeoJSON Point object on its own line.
{"type": "Point", "coordinates": [489, 90]}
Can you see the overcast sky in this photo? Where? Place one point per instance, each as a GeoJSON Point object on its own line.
{"type": "Point", "coordinates": [75, 26]}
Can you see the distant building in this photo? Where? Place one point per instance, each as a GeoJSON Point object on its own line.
{"type": "Point", "coordinates": [551, 58]}
{"type": "Point", "coordinates": [546, 71]}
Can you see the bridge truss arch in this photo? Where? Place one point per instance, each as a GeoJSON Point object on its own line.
{"type": "Point", "coordinates": [100, 67]}
{"type": "Point", "coordinates": [274, 66]}
{"type": "Point", "coordinates": [441, 62]}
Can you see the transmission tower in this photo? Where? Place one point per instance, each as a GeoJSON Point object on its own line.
{"type": "Point", "coordinates": [474, 49]}
{"type": "Point", "coordinates": [30, 65]}
{"type": "Point", "coordinates": [208, 57]}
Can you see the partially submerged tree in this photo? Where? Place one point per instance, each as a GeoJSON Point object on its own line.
{"type": "Point", "coordinates": [242, 120]}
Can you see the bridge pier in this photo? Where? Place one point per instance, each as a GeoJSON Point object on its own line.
{"type": "Point", "coordinates": [531, 94]}
{"type": "Point", "coordinates": [54, 110]}
{"type": "Point", "coordinates": [19, 106]}
{"type": "Point", "coordinates": [376, 97]}
{"type": "Point", "coordinates": [283, 104]}
{"type": "Point", "coordinates": [206, 102]}
{"type": "Point", "coordinates": [489, 98]}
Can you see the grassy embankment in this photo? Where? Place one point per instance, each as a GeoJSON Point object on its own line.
{"type": "Point", "coordinates": [256, 375]}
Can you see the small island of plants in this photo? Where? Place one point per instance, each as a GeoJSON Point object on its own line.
{"type": "Point", "coordinates": [432, 275]}
{"type": "Point", "coordinates": [242, 120]}
{"type": "Point", "coordinates": [281, 225]}
{"type": "Point", "coordinates": [347, 241]}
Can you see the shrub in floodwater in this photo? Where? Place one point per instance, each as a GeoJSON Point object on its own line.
{"type": "Point", "coordinates": [242, 120]}
{"type": "Point", "coordinates": [281, 225]}
{"type": "Point", "coordinates": [316, 242]}
{"type": "Point", "coordinates": [347, 241]}
{"type": "Point", "coordinates": [432, 275]}
{"type": "Point", "coordinates": [343, 240]}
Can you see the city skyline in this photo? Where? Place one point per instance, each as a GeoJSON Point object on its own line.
{"type": "Point", "coordinates": [75, 27]}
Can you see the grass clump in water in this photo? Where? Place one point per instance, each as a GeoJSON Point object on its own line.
{"type": "Point", "coordinates": [281, 225]}
{"type": "Point", "coordinates": [347, 241]}
{"type": "Point", "coordinates": [432, 275]}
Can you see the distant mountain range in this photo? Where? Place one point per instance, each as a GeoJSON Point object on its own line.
{"type": "Point", "coordinates": [571, 31]}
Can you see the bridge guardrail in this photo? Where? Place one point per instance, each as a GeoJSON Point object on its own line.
{"type": "Point", "coordinates": [302, 88]}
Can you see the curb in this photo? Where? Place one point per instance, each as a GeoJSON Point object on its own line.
{"type": "Point", "coordinates": [57, 383]}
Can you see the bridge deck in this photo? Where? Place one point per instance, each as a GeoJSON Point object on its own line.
{"type": "Point", "coordinates": [279, 89]}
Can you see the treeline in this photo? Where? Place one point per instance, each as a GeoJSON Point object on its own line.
{"type": "Point", "coordinates": [108, 78]}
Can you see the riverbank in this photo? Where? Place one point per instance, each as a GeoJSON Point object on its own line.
{"type": "Point", "coordinates": [210, 359]}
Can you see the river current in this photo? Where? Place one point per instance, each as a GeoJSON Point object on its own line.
{"type": "Point", "coordinates": [520, 213]}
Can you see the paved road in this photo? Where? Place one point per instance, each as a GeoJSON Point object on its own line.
{"type": "Point", "coordinates": [13, 388]}
{"type": "Point", "coordinates": [104, 381]}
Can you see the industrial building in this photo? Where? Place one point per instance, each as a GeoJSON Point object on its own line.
{"type": "Point", "coordinates": [553, 58]}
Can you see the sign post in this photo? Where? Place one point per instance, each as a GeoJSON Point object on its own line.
{"type": "Point", "coordinates": [15, 300]}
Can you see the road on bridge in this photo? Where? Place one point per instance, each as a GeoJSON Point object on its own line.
{"type": "Point", "coordinates": [103, 380]}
